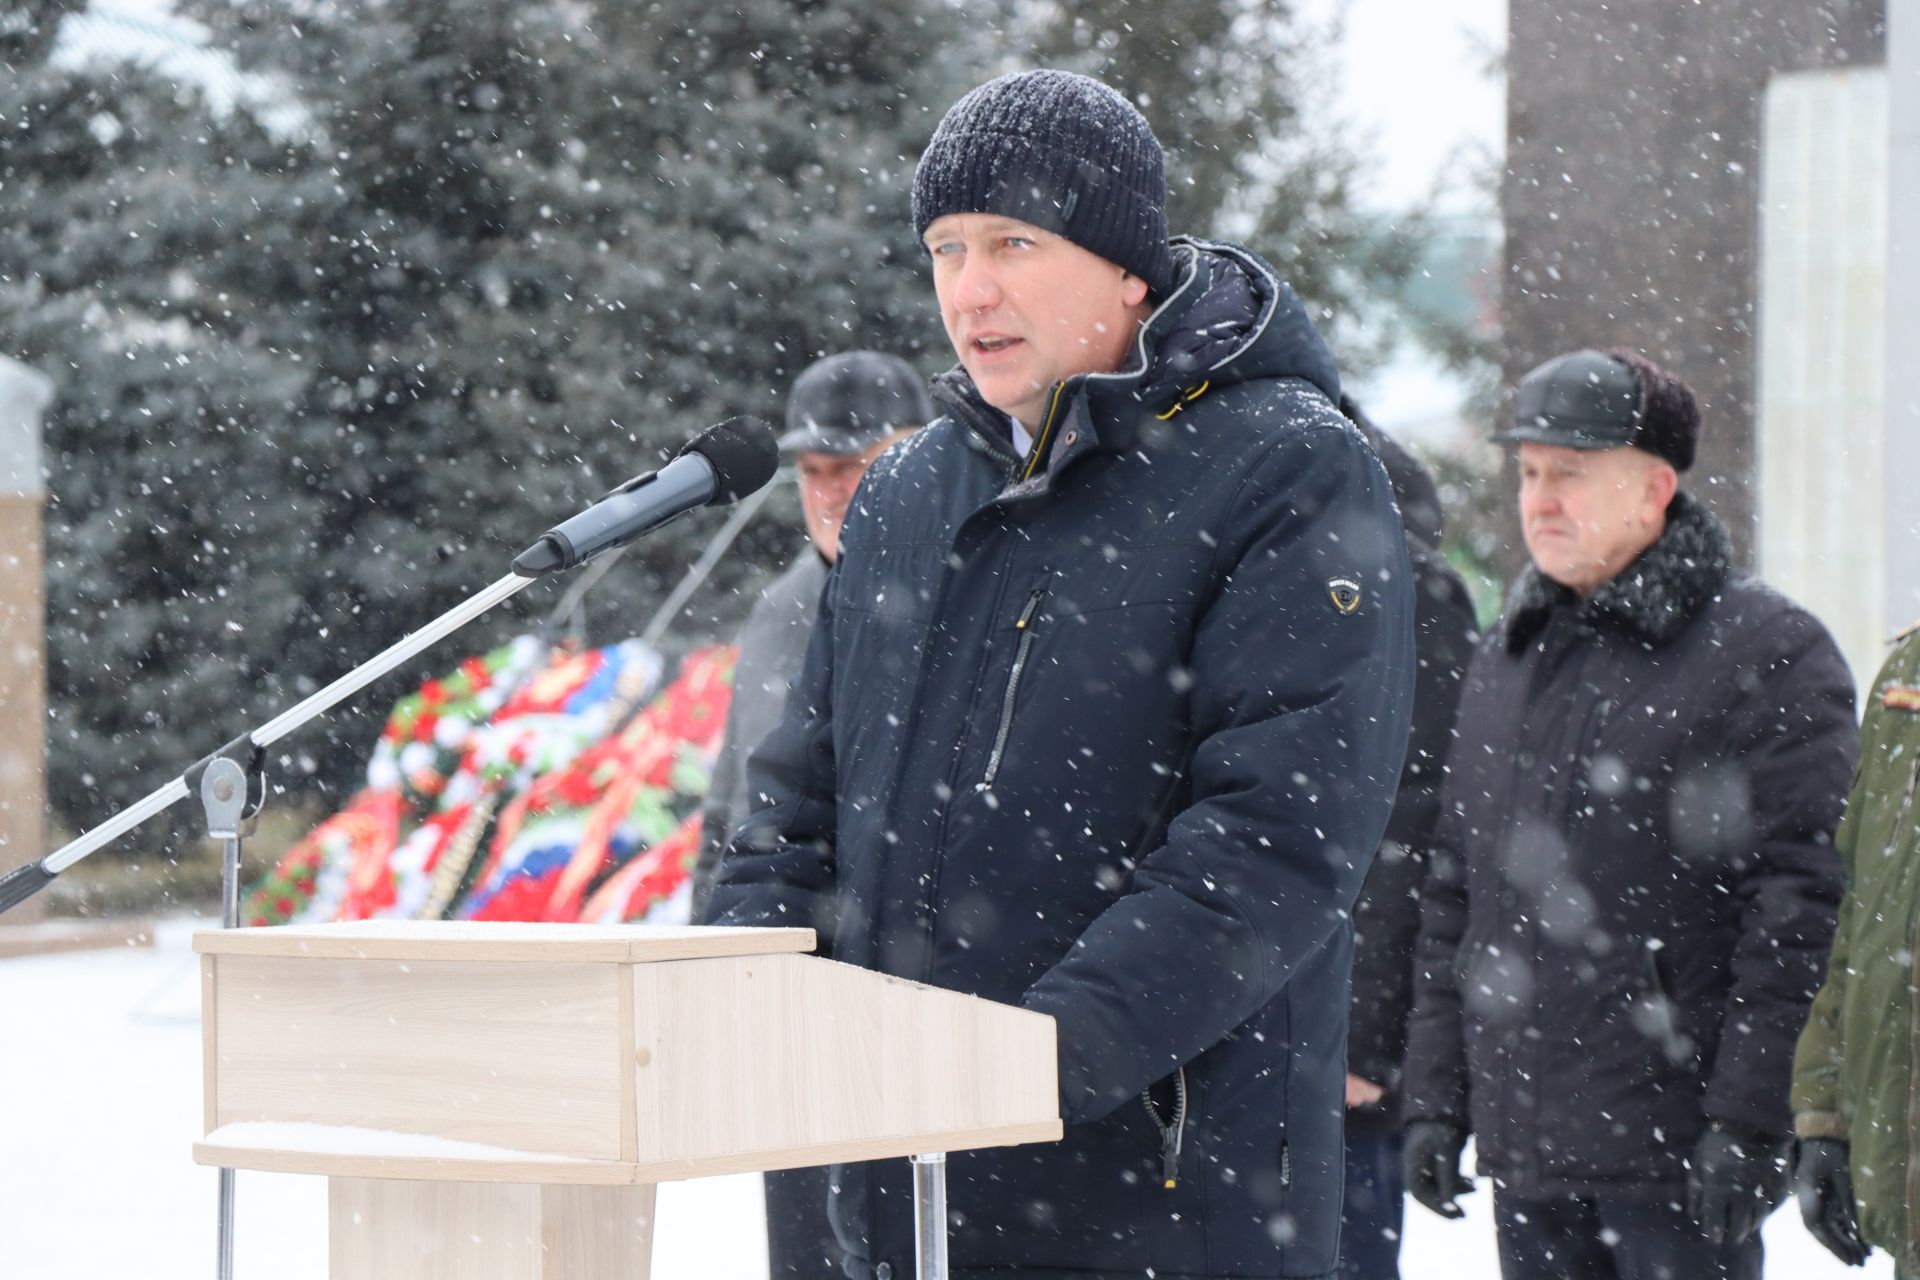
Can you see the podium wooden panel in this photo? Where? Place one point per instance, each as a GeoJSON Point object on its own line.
{"type": "Point", "coordinates": [488, 1230]}
{"type": "Point", "coordinates": [570, 1067]}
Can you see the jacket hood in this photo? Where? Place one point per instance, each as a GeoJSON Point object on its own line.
{"type": "Point", "coordinates": [1653, 598]}
{"type": "Point", "coordinates": [1231, 318]}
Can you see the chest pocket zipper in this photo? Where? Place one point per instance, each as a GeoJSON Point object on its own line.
{"type": "Point", "coordinates": [1173, 1132]}
{"type": "Point", "coordinates": [1025, 626]}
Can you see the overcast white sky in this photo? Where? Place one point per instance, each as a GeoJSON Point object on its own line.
{"type": "Point", "coordinates": [1415, 76]}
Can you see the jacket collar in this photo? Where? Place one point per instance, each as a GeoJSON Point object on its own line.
{"type": "Point", "coordinates": [1652, 600]}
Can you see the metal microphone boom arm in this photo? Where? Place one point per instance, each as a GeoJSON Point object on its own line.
{"type": "Point", "coordinates": [23, 882]}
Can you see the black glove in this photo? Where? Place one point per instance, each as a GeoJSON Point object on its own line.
{"type": "Point", "coordinates": [1823, 1184]}
{"type": "Point", "coordinates": [1431, 1162]}
{"type": "Point", "coordinates": [1734, 1182]}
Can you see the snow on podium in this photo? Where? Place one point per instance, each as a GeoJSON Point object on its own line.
{"type": "Point", "coordinates": [495, 1101]}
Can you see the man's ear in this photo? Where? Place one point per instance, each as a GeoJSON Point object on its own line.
{"type": "Point", "coordinates": [1133, 290]}
{"type": "Point", "coordinates": [1662, 483]}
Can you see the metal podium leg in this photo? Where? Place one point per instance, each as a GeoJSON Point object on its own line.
{"type": "Point", "coordinates": [226, 1224]}
{"type": "Point", "coordinates": [930, 1216]}
{"type": "Point", "coordinates": [230, 918]}
{"type": "Point", "coordinates": [231, 796]}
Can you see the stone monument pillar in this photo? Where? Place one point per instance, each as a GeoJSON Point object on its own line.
{"type": "Point", "coordinates": [23, 626]}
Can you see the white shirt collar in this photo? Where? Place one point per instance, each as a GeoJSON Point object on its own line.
{"type": "Point", "coordinates": [1022, 438]}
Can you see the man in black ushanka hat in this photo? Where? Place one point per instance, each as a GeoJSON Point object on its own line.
{"type": "Point", "coordinates": [1633, 885]}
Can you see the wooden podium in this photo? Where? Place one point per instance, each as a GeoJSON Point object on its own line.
{"type": "Point", "coordinates": [497, 1101]}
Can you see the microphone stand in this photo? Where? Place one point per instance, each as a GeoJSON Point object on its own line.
{"type": "Point", "coordinates": [248, 750]}
{"type": "Point", "coordinates": [232, 786]}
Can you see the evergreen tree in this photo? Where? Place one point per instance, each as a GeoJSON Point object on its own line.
{"type": "Point", "coordinates": [561, 240]}
{"type": "Point", "coordinates": [165, 588]}
{"type": "Point", "coordinates": [457, 268]}
{"type": "Point", "coordinates": [1239, 95]}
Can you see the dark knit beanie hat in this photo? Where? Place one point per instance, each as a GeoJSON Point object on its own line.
{"type": "Point", "coordinates": [1607, 400]}
{"type": "Point", "coordinates": [1058, 150]}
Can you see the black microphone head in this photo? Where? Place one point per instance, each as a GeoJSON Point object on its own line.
{"type": "Point", "coordinates": [741, 452]}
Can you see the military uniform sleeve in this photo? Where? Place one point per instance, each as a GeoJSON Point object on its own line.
{"type": "Point", "coordinates": [1300, 712]}
{"type": "Point", "coordinates": [1821, 1052]}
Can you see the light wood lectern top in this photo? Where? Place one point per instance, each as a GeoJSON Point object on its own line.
{"type": "Point", "coordinates": [497, 1100]}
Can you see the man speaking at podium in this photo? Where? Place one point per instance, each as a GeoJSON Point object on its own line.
{"type": "Point", "coordinates": [1103, 713]}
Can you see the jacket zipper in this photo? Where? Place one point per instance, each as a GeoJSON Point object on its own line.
{"type": "Point", "coordinates": [1044, 436]}
{"type": "Point", "coordinates": [1026, 629]}
{"type": "Point", "coordinates": [1173, 1132]}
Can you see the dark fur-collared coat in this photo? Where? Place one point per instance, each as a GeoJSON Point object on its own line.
{"type": "Point", "coordinates": [1636, 883]}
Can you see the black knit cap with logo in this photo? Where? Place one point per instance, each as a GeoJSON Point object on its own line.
{"type": "Point", "coordinates": [1061, 151]}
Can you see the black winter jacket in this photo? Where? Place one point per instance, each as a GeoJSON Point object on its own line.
{"type": "Point", "coordinates": [1113, 734]}
{"type": "Point", "coordinates": [1635, 887]}
{"type": "Point", "coordinates": [1386, 918]}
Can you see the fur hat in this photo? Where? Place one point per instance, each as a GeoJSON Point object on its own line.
{"type": "Point", "coordinates": [1607, 400]}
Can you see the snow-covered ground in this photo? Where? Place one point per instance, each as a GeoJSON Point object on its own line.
{"type": "Point", "coordinates": [100, 1073]}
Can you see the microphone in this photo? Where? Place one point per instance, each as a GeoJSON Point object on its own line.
{"type": "Point", "coordinates": [722, 464]}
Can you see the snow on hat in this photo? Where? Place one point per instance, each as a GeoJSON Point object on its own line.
{"type": "Point", "coordinates": [1058, 150]}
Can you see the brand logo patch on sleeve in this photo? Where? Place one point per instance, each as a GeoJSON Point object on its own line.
{"type": "Point", "coordinates": [1345, 594]}
{"type": "Point", "coordinates": [1900, 697]}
